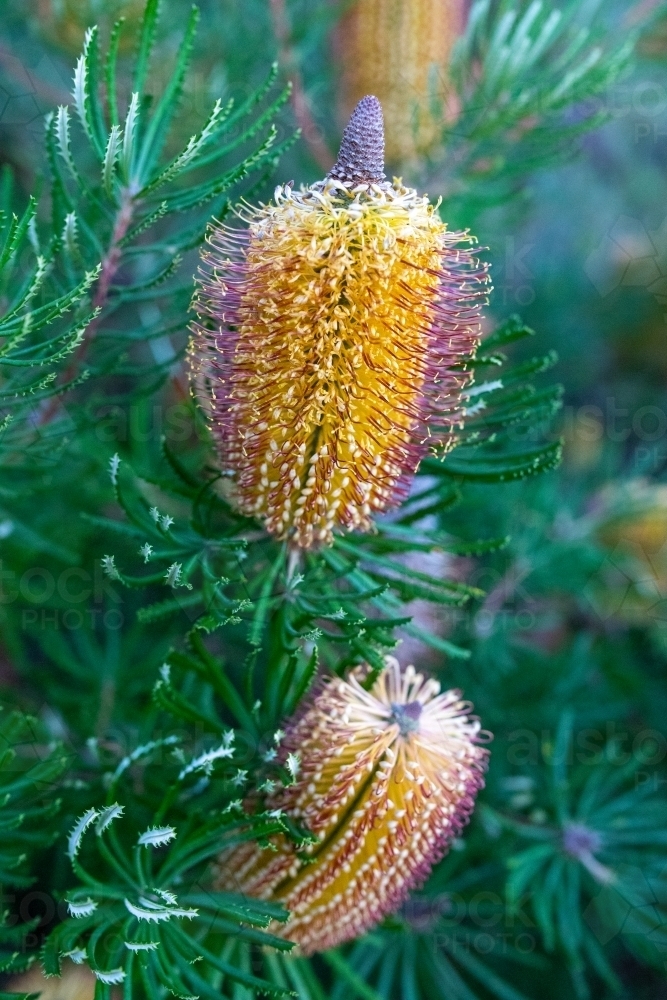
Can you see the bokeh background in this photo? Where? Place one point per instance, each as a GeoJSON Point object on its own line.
{"type": "Point", "coordinates": [571, 203]}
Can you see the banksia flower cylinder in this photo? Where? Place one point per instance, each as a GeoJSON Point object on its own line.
{"type": "Point", "coordinates": [331, 348]}
{"type": "Point", "coordinates": [386, 779]}
{"type": "Point", "coordinates": [400, 50]}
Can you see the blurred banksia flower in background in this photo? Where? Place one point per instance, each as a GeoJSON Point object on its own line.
{"type": "Point", "coordinates": [385, 780]}
{"type": "Point", "coordinates": [400, 50]}
{"type": "Point", "coordinates": [631, 523]}
{"type": "Point", "coordinates": [636, 514]}
{"type": "Point", "coordinates": [331, 349]}
{"type": "Point", "coordinates": [76, 982]}
{"type": "Point", "coordinates": [64, 21]}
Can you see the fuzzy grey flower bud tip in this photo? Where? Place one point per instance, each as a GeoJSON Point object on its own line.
{"type": "Point", "coordinates": [361, 156]}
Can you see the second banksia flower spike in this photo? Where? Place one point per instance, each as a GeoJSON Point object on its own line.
{"type": "Point", "coordinates": [331, 345]}
{"type": "Point", "coordinates": [387, 778]}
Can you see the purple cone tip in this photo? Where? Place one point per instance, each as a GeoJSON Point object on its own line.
{"type": "Point", "coordinates": [361, 156]}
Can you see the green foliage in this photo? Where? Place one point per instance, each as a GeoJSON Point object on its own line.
{"type": "Point", "coordinates": [40, 328]}
{"type": "Point", "coordinates": [520, 69]}
{"type": "Point", "coordinates": [30, 772]}
{"type": "Point", "coordinates": [28, 775]}
{"type": "Point", "coordinates": [602, 844]}
{"type": "Point", "coordinates": [419, 964]}
{"type": "Point", "coordinates": [165, 637]}
{"type": "Point", "coordinates": [147, 915]}
{"type": "Point", "coordinates": [219, 570]}
{"type": "Point", "coordinates": [123, 218]}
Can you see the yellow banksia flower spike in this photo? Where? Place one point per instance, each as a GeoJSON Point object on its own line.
{"type": "Point", "coordinates": [331, 345]}
{"type": "Point", "coordinates": [385, 779]}
{"type": "Point", "coordinates": [400, 50]}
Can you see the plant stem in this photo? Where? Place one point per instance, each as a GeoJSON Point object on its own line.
{"type": "Point", "coordinates": [110, 265]}
{"type": "Point", "coordinates": [304, 116]}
